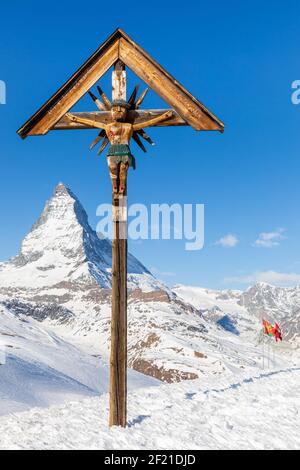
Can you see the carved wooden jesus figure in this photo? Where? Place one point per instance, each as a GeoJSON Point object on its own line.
{"type": "Point", "coordinates": [119, 133]}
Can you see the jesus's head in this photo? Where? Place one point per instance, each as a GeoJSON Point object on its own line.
{"type": "Point", "coordinates": [119, 109]}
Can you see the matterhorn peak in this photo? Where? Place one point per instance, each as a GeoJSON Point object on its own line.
{"type": "Point", "coordinates": [64, 208]}
{"type": "Point", "coordinates": [61, 190]}
{"type": "Point", "coordinates": [61, 187]}
{"type": "Point", "coordinates": [62, 247]}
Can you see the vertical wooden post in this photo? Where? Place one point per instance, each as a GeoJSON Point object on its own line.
{"type": "Point", "coordinates": [118, 357]}
{"type": "Point", "coordinates": [119, 81]}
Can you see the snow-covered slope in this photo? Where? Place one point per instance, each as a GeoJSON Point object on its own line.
{"type": "Point", "coordinates": [258, 411]}
{"type": "Point", "coordinates": [38, 368]}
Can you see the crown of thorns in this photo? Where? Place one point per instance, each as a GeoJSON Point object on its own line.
{"type": "Point", "coordinates": [121, 103]}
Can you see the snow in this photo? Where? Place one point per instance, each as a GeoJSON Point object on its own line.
{"type": "Point", "coordinates": [259, 411]}
{"type": "Point", "coordinates": [206, 299]}
{"type": "Point", "coordinates": [41, 369]}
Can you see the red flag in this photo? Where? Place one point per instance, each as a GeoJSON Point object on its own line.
{"type": "Point", "coordinates": [277, 333]}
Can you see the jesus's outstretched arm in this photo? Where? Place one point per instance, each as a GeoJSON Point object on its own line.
{"type": "Point", "coordinates": [153, 122]}
{"type": "Point", "coordinates": [85, 121]}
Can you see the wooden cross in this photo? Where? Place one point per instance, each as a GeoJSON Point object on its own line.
{"type": "Point", "coordinates": [118, 52]}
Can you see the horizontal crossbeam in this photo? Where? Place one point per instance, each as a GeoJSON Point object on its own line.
{"type": "Point", "coordinates": [104, 117]}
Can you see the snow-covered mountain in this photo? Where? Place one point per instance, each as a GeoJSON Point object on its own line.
{"type": "Point", "coordinates": [277, 304]}
{"type": "Point", "coordinates": [261, 301]}
{"type": "Point", "coordinates": [62, 248]}
{"type": "Point", "coordinates": [62, 279]}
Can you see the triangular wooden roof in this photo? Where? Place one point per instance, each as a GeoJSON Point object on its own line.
{"type": "Point", "coordinates": [120, 46]}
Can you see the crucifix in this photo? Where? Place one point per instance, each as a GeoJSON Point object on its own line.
{"type": "Point", "coordinates": [119, 121]}
{"type": "Point", "coordinates": [120, 127]}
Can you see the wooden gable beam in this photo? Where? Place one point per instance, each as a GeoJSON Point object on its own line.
{"type": "Point", "coordinates": [119, 46]}
{"type": "Point", "coordinates": [190, 109]}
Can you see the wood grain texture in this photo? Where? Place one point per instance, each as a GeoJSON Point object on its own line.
{"type": "Point", "coordinates": [92, 123]}
{"type": "Point", "coordinates": [119, 81]}
{"type": "Point", "coordinates": [153, 121]}
{"type": "Point", "coordinates": [118, 354]}
{"type": "Point", "coordinates": [104, 117]}
{"type": "Point", "coordinates": [105, 99]}
{"type": "Point", "coordinates": [97, 102]}
{"type": "Point", "coordinates": [141, 98]}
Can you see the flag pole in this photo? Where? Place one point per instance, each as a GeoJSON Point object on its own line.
{"type": "Point", "coordinates": [263, 344]}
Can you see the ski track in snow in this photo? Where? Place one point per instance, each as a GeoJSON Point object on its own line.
{"type": "Point", "coordinates": [246, 412]}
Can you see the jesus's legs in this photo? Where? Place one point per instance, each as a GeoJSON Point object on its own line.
{"type": "Point", "coordinates": [114, 173]}
{"type": "Point", "coordinates": [123, 177]}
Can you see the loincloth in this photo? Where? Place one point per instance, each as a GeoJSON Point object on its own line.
{"type": "Point", "coordinates": [120, 153]}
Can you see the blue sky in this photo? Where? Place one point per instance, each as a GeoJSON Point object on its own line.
{"type": "Point", "coordinates": [239, 59]}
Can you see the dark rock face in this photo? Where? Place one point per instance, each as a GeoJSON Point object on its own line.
{"type": "Point", "coordinates": [39, 312]}
{"type": "Point", "coordinates": [160, 373]}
